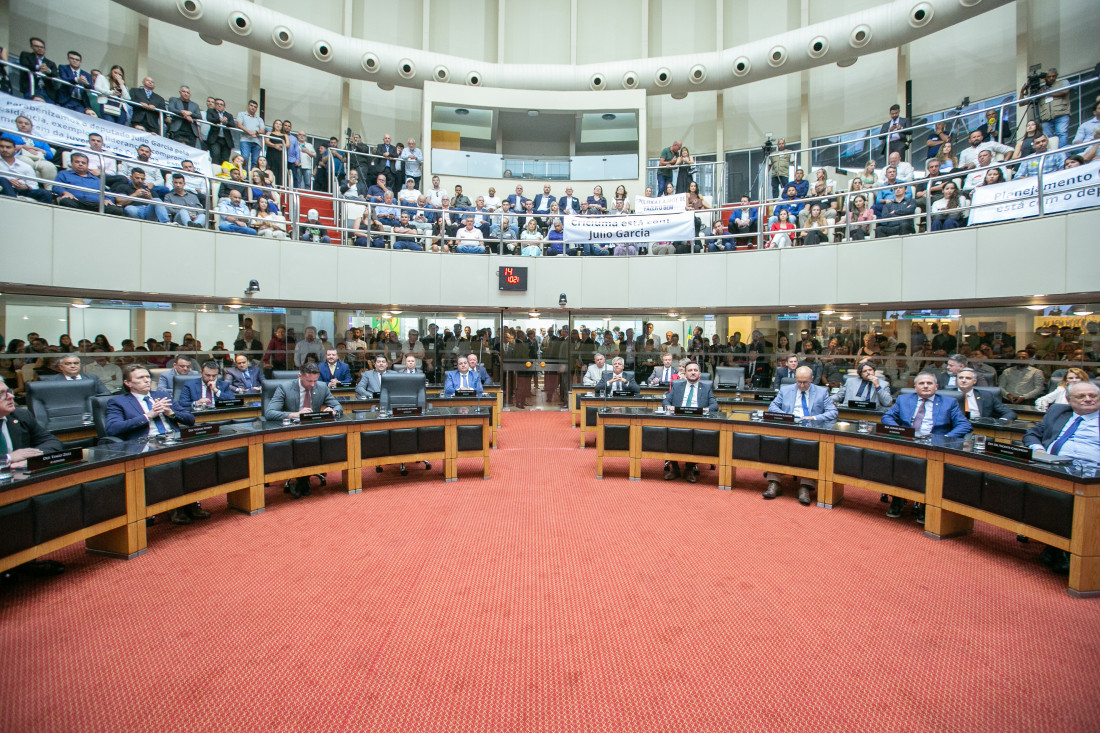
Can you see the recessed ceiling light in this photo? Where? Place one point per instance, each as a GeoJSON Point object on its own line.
{"type": "Point", "coordinates": [846, 318]}
{"type": "Point", "coordinates": [683, 318]}
{"type": "Point", "coordinates": [462, 111]}
{"type": "Point", "coordinates": [1035, 307]}
{"type": "Point", "coordinates": [233, 306]}
{"type": "Point", "coordinates": [80, 305]}
{"type": "Point", "coordinates": [532, 113]}
{"type": "Point", "coordinates": [607, 116]}
{"type": "Point", "coordinates": [1039, 295]}
{"type": "Point", "coordinates": [827, 313]}
{"type": "Point", "coordinates": [864, 303]}
{"type": "Point", "coordinates": [1082, 313]}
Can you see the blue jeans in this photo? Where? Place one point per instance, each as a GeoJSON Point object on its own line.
{"type": "Point", "coordinates": [471, 249]}
{"type": "Point", "coordinates": [151, 212]}
{"type": "Point", "coordinates": [227, 226]}
{"type": "Point", "coordinates": [593, 250]}
{"type": "Point", "coordinates": [250, 149]}
{"type": "Point", "coordinates": [407, 244]}
{"type": "Point", "coordinates": [662, 183]}
{"type": "Point", "coordinates": [1058, 126]}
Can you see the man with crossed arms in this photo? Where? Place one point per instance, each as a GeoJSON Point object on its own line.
{"type": "Point", "coordinates": [810, 404]}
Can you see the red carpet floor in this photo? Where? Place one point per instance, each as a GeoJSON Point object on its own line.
{"type": "Point", "coordinates": [547, 600]}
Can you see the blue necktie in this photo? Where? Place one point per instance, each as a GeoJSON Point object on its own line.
{"type": "Point", "coordinates": [156, 420]}
{"type": "Point", "coordinates": [247, 380]}
{"type": "Point", "coordinates": [866, 386]}
{"type": "Point", "coordinates": [1057, 445]}
{"type": "Point", "coordinates": [805, 406]}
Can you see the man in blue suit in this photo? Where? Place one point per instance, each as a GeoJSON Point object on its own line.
{"type": "Point", "coordinates": [568, 204]}
{"type": "Point", "coordinates": [206, 391]}
{"type": "Point", "coordinates": [517, 199]}
{"type": "Point", "coordinates": [691, 391]}
{"type": "Point", "coordinates": [1071, 430]}
{"type": "Point", "coordinates": [333, 370]}
{"type": "Point", "coordinates": [140, 412]}
{"type": "Point", "coordinates": [479, 369]}
{"type": "Point", "coordinates": [74, 94]}
{"type": "Point", "coordinates": [928, 414]}
{"type": "Point", "coordinates": [244, 377]}
{"type": "Point", "coordinates": [461, 378]}
{"type": "Point", "coordinates": [810, 405]}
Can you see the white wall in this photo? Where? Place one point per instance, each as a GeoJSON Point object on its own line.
{"type": "Point", "coordinates": [896, 270]}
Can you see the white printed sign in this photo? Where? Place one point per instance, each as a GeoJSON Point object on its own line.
{"type": "Point", "coordinates": [1063, 190]}
{"type": "Point", "coordinates": [660, 204]}
{"type": "Point", "coordinates": [70, 129]}
{"type": "Point", "coordinates": [633, 228]}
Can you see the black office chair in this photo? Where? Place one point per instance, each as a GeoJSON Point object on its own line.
{"type": "Point", "coordinates": [99, 420]}
{"type": "Point", "coordinates": [730, 377]}
{"type": "Point", "coordinates": [1055, 378]}
{"type": "Point", "coordinates": [58, 400]}
{"type": "Point", "coordinates": [284, 374]}
{"type": "Point", "coordinates": [179, 382]}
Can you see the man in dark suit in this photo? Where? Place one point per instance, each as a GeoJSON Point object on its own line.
{"type": "Point", "coordinates": [1071, 430]}
{"type": "Point", "coordinates": [518, 200]}
{"type": "Point", "coordinates": [293, 399]}
{"type": "Point", "coordinates": [21, 437]}
{"type": "Point", "coordinates": [243, 377]}
{"type": "Point", "coordinates": [758, 372]}
{"type": "Point", "coordinates": [333, 371]}
{"type": "Point", "coordinates": [42, 68]}
{"type": "Point", "coordinates": [666, 373]}
{"type": "Point", "coordinates": [382, 163]}
{"type": "Point", "coordinates": [892, 132]}
{"type": "Point", "coordinates": [74, 93]}
{"type": "Point", "coordinates": [478, 369]}
{"type": "Point", "coordinates": [786, 370]}
{"type": "Point", "coordinates": [897, 215]}
{"type": "Point", "coordinates": [689, 392]}
{"type": "Point", "coordinates": [617, 381]}
{"type": "Point", "coordinates": [205, 392]}
{"type": "Point", "coordinates": [928, 414]}
{"type": "Point", "coordinates": [461, 378]}
{"type": "Point", "coordinates": [946, 378]}
{"type": "Point", "coordinates": [145, 114]}
{"type": "Point", "coordinates": [975, 404]}
{"type": "Point", "coordinates": [409, 366]}
{"type": "Point", "coordinates": [542, 200]}
{"type": "Point", "coordinates": [69, 368]}
{"type": "Point", "coordinates": [139, 412]}
{"type": "Point", "coordinates": [220, 138]}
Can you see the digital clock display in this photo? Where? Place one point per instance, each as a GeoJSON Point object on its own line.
{"type": "Point", "coordinates": [512, 278]}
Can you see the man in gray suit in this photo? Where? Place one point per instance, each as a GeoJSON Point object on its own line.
{"type": "Point", "coordinates": [180, 366]}
{"type": "Point", "coordinates": [810, 404]}
{"type": "Point", "coordinates": [371, 379]}
{"type": "Point", "coordinates": [868, 386]}
{"type": "Point", "coordinates": [69, 370]}
{"type": "Point", "coordinates": [303, 395]}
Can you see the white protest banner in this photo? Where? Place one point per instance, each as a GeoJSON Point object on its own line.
{"type": "Point", "coordinates": [70, 129]}
{"type": "Point", "coordinates": [1063, 190]}
{"type": "Point", "coordinates": [633, 228]}
{"type": "Point", "coordinates": [661, 204]}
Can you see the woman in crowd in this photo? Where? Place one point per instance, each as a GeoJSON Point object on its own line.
{"type": "Point", "coordinates": [860, 216]}
{"type": "Point", "coordinates": [620, 193]}
{"type": "Point", "coordinates": [276, 143]}
{"type": "Point", "coordinates": [269, 222]}
{"type": "Point", "coordinates": [111, 96]}
{"type": "Point", "coordinates": [1058, 396]}
{"type": "Point", "coordinates": [946, 157]}
{"type": "Point", "coordinates": [685, 171]}
{"type": "Point", "coordinates": [670, 190]}
{"type": "Point", "coordinates": [1024, 144]}
{"type": "Point", "coordinates": [782, 343]}
{"type": "Point", "coordinates": [950, 211]}
{"type": "Point", "coordinates": [993, 176]}
{"type": "Point", "coordinates": [868, 177]}
{"type": "Point", "coordinates": [597, 204]}
{"type": "Point", "coordinates": [102, 343]}
{"type": "Point", "coordinates": [782, 230]}
{"type": "Point", "coordinates": [695, 202]}
{"type": "Point", "coordinates": [818, 227]}
{"type": "Point", "coordinates": [821, 177]}
{"type": "Point", "coordinates": [255, 190]}
{"type": "Point", "coordinates": [546, 223]}
{"type": "Point", "coordinates": [369, 231]}
{"type": "Point", "coordinates": [531, 240]}
{"type": "Point", "coordinates": [65, 344]}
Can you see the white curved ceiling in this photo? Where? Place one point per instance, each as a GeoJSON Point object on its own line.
{"type": "Point", "coordinates": [839, 40]}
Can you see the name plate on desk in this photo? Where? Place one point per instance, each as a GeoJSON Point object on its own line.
{"type": "Point", "coordinates": [894, 431]}
{"type": "Point", "coordinates": [862, 404]}
{"type": "Point", "coordinates": [770, 416]}
{"type": "Point", "coordinates": [231, 402]}
{"type": "Point", "coordinates": [406, 410]}
{"type": "Point", "coordinates": [198, 431]}
{"type": "Point", "coordinates": [689, 410]}
{"type": "Point", "coordinates": [317, 417]}
{"type": "Point", "coordinates": [763, 396]}
{"type": "Point", "coordinates": [465, 393]}
{"type": "Point", "coordinates": [1007, 450]}
{"type": "Point", "coordinates": [58, 458]}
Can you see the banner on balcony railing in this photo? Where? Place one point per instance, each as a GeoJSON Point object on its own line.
{"type": "Point", "coordinates": [1063, 190]}
{"type": "Point", "coordinates": [632, 228]}
{"type": "Point", "coordinates": [661, 204]}
{"type": "Point", "coordinates": [71, 129]}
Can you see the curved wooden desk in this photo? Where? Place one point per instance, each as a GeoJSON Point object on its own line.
{"type": "Point", "coordinates": [105, 499]}
{"type": "Point", "coordinates": [1058, 505]}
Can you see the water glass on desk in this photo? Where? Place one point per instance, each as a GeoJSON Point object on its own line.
{"type": "Point", "coordinates": [979, 443]}
{"type": "Point", "coordinates": [5, 469]}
